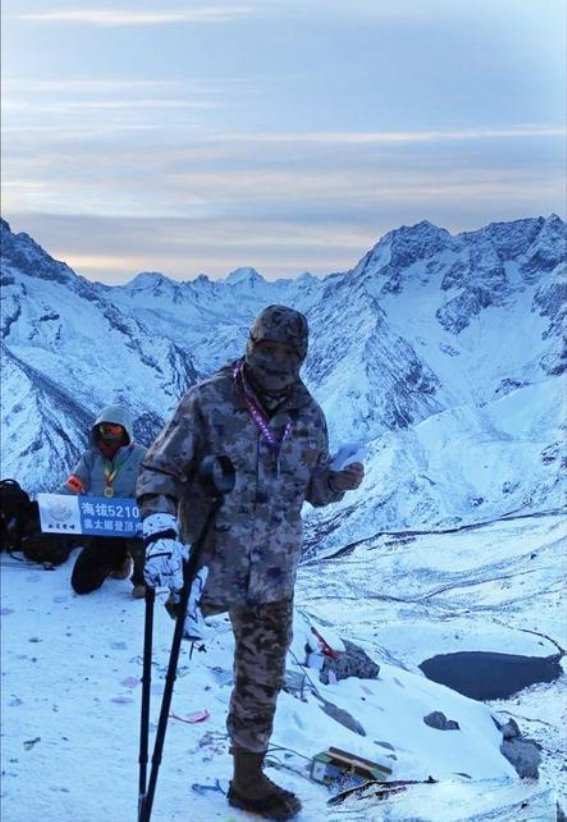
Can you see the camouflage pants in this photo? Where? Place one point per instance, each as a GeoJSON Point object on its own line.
{"type": "Point", "coordinates": [262, 637]}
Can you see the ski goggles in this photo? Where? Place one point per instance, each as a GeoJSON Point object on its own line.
{"type": "Point", "coordinates": [110, 430]}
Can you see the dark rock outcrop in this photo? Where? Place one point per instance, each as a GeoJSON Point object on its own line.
{"type": "Point", "coordinates": [438, 720]}
{"type": "Point", "coordinates": [354, 662]}
{"type": "Point", "coordinates": [522, 753]}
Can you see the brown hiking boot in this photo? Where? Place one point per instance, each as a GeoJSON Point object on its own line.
{"type": "Point", "coordinates": [251, 789]}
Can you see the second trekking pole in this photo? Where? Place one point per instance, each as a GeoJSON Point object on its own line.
{"type": "Point", "coordinates": [217, 474]}
{"type": "Point", "coordinates": [146, 684]}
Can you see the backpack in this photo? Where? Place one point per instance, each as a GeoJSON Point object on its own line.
{"type": "Point", "coordinates": [15, 510]}
{"type": "Point", "coordinates": [47, 549]}
{"type": "Point", "coordinates": [20, 529]}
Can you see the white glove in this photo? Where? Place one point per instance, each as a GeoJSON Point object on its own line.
{"type": "Point", "coordinates": [165, 554]}
{"type": "Point", "coordinates": [193, 628]}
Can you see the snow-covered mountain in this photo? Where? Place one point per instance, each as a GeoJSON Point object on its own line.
{"type": "Point", "coordinates": [443, 354]}
{"type": "Point", "coordinates": [443, 357]}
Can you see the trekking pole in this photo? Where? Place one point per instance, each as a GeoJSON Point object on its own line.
{"type": "Point", "coordinates": [146, 684]}
{"type": "Point", "coordinates": [217, 475]}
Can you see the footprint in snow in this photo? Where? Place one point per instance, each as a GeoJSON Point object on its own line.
{"type": "Point", "coordinates": [130, 682]}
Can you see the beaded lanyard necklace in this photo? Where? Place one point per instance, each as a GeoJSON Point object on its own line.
{"type": "Point", "coordinates": [273, 442]}
{"type": "Point", "coordinates": [111, 470]}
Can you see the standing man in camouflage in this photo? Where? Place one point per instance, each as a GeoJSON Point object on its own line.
{"type": "Point", "coordinates": [258, 412]}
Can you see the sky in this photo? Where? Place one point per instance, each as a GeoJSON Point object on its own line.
{"type": "Point", "coordinates": [287, 135]}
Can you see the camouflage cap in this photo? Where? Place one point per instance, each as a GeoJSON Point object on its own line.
{"type": "Point", "coordinates": [279, 323]}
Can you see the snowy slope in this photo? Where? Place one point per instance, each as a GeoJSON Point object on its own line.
{"type": "Point", "coordinates": [71, 702]}
{"type": "Point", "coordinates": [465, 464]}
{"type": "Point", "coordinates": [497, 588]}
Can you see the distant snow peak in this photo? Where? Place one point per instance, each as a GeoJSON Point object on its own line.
{"type": "Point", "coordinates": [405, 254]}
{"type": "Point", "coordinates": [417, 242]}
{"type": "Point", "coordinates": [149, 279]}
{"type": "Point", "coordinates": [244, 275]}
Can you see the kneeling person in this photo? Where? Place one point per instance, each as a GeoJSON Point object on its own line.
{"type": "Point", "coordinates": [109, 467]}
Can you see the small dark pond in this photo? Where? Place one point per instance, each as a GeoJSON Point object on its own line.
{"type": "Point", "coordinates": [485, 675]}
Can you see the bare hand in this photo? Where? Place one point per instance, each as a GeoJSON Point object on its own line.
{"type": "Point", "coordinates": [349, 478]}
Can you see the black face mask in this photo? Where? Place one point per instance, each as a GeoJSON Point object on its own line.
{"type": "Point", "coordinates": [272, 376]}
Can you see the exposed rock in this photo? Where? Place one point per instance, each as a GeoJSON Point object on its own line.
{"type": "Point", "coordinates": [513, 239]}
{"type": "Point", "coordinates": [419, 242]}
{"type": "Point", "coordinates": [510, 730]}
{"type": "Point", "coordinates": [354, 662]}
{"type": "Point", "coordinates": [438, 720]}
{"type": "Point", "coordinates": [549, 300]}
{"type": "Point", "coordinates": [455, 315]}
{"type": "Point", "coordinates": [522, 753]}
{"type": "Point", "coordinates": [549, 250]}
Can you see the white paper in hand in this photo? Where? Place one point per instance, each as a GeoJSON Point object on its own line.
{"type": "Point", "coordinates": [348, 453]}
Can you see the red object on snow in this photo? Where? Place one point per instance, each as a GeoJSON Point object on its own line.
{"type": "Point", "coordinates": [325, 647]}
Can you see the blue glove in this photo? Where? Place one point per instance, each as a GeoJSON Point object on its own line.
{"type": "Point", "coordinates": [165, 554]}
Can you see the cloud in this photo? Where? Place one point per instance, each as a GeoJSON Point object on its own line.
{"type": "Point", "coordinates": [273, 178]}
{"type": "Point", "coordinates": [108, 105]}
{"type": "Point", "coordinates": [117, 17]}
{"type": "Point", "coordinates": [377, 137]}
{"type": "Point", "coordinates": [62, 106]}
{"type": "Point", "coordinates": [115, 249]}
{"type": "Point", "coordinates": [88, 85]}
{"type": "Point", "coordinates": [214, 225]}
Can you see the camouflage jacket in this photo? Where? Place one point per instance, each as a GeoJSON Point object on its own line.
{"type": "Point", "coordinates": [254, 545]}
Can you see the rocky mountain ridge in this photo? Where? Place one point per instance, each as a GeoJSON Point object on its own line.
{"type": "Point", "coordinates": [443, 354]}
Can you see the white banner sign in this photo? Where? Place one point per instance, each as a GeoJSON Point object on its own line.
{"type": "Point", "coordinates": [93, 516]}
